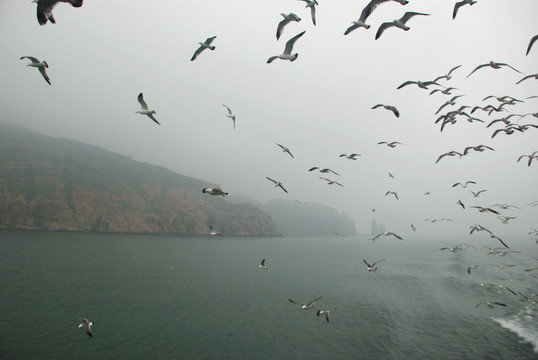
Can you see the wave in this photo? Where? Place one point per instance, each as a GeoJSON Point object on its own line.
{"type": "Point", "coordinates": [523, 325]}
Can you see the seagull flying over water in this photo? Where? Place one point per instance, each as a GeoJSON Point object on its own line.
{"type": "Point", "coordinates": [262, 265]}
{"type": "Point", "coordinates": [205, 45]}
{"type": "Point", "coordinates": [40, 65]}
{"type": "Point", "coordinates": [214, 191]}
{"type": "Point", "coordinates": [287, 55]}
{"type": "Point", "coordinates": [388, 107]}
{"type": "Point", "coordinates": [230, 114]}
{"type": "Point", "coordinates": [494, 65]}
{"type": "Point", "coordinates": [399, 23]}
{"type": "Point", "coordinates": [287, 19]}
{"type": "Point", "coordinates": [323, 312]}
{"type": "Point", "coordinates": [372, 268]}
{"type": "Point", "coordinates": [387, 233]}
{"type": "Point", "coordinates": [460, 4]}
{"type": "Point", "coordinates": [44, 9]}
{"type": "Point", "coordinates": [145, 110]}
{"type": "Point", "coordinates": [213, 232]}
{"type": "Point", "coordinates": [305, 306]}
{"type": "Point", "coordinates": [277, 183]}
{"type": "Point", "coordinates": [86, 325]}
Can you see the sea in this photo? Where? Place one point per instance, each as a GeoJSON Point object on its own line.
{"type": "Point", "coordinates": [183, 297]}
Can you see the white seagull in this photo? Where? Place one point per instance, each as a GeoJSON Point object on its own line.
{"type": "Point", "coordinates": [230, 114]}
{"type": "Point", "coordinates": [323, 312]}
{"type": "Point", "coordinates": [86, 325]}
{"type": "Point", "coordinates": [494, 65]}
{"type": "Point", "coordinates": [262, 265]}
{"type": "Point", "coordinates": [287, 55]}
{"type": "Point", "coordinates": [287, 19]}
{"type": "Point", "coordinates": [367, 11]}
{"type": "Point", "coordinates": [214, 191]}
{"type": "Point", "coordinates": [399, 23]}
{"type": "Point", "coordinates": [387, 233]}
{"type": "Point", "coordinates": [40, 65]}
{"type": "Point", "coordinates": [312, 5]}
{"type": "Point", "coordinates": [145, 110]}
{"type": "Point", "coordinates": [352, 156]}
{"type": "Point", "coordinates": [44, 9]}
{"type": "Point", "coordinates": [286, 150]}
{"type": "Point", "coordinates": [277, 184]}
{"type": "Point", "coordinates": [305, 306]}
{"type": "Point", "coordinates": [388, 107]}
{"type": "Point", "coordinates": [323, 170]}
{"type": "Point", "coordinates": [213, 232]}
{"type": "Point", "coordinates": [372, 267]}
{"type": "Point", "coordinates": [331, 182]}
{"type": "Point", "coordinates": [391, 144]}
{"type": "Point", "coordinates": [205, 45]}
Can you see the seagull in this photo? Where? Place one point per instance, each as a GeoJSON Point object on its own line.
{"type": "Point", "coordinates": [262, 265]}
{"type": "Point", "coordinates": [352, 156]}
{"type": "Point", "coordinates": [390, 175]}
{"type": "Point", "coordinates": [286, 150]}
{"type": "Point", "coordinates": [478, 148]}
{"type": "Point", "coordinates": [367, 11]}
{"type": "Point", "coordinates": [287, 19]}
{"type": "Point", "coordinates": [44, 9]}
{"type": "Point", "coordinates": [214, 191]}
{"type": "Point", "coordinates": [533, 156]}
{"type": "Point", "coordinates": [372, 267]}
{"type": "Point", "coordinates": [413, 227]}
{"type": "Point", "coordinates": [450, 153]}
{"type": "Point", "coordinates": [535, 76]}
{"type": "Point", "coordinates": [505, 219]}
{"type": "Point", "coordinates": [493, 236]}
{"type": "Point", "coordinates": [40, 65]}
{"type": "Point", "coordinates": [324, 312]}
{"type": "Point", "coordinates": [533, 40]}
{"type": "Point", "coordinates": [205, 45]}
{"type": "Point", "coordinates": [448, 76]}
{"type": "Point", "coordinates": [391, 144]}
{"type": "Point", "coordinates": [399, 23]}
{"type": "Point", "coordinates": [420, 84]}
{"type": "Point", "coordinates": [305, 306]}
{"type": "Point", "coordinates": [460, 4]}
{"type": "Point", "coordinates": [213, 232]}
{"type": "Point", "coordinates": [144, 110]}
{"type": "Point", "coordinates": [331, 182]}
{"type": "Point", "coordinates": [464, 185]}
{"type": "Point", "coordinates": [490, 304]}
{"type": "Point", "coordinates": [505, 206]}
{"type": "Point", "coordinates": [287, 55]}
{"type": "Point", "coordinates": [323, 170]}
{"type": "Point", "coordinates": [230, 114]}
{"type": "Point", "coordinates": [387, 233]}
{"type": "Point", "coordinates": [388, 107]}
{"type": "Point", "coordinates": [485, 209]}
{"type": "Point", "coordinates": [393, 193]}
{"type": "Point", "coordinates": [452, 101]}
{"type": "Point", "coordinates": [446, 91]}
{"type": "Point", "coordinates": [476, 194]}
{"type": "Point", "coordinates": [86, 325]}
{"type": "Point", "coordinates": [277, 184]}
{"type": "Point", "coordinates": [461, 204]}
{"type": "Point", "coordinates": [494, 65]}
{"type": "Point", "coordinates": [311, 4]}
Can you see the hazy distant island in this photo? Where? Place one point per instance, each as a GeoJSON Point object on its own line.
{"type": "Point", "coordinates": [57, 184]}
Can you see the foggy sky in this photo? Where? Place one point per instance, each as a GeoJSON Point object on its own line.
{"type": "Point", "coordinates": [102, 55]}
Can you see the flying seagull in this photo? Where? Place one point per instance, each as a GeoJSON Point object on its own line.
{"type": "Point", "coordinates": [464, 185]}
{"type": "Point", "coordinates": [535, 76]}
{"type": "Point", "coordinates": [214, 191]}
{"type": "Point", "coordinates": [367, 11]}
{"type": "Point", "coordinates": [323, 312]}
{"type": "Point", "coordinates": [44, 9]}
{"type": "Point", "coordinates": [478, 148]}
{"type": "Point", "coordinates": [533, 40]}
{"type": "Point", "coordinates": [450, 153]}
{"type": "Point", "coordinates": [286, 150]}
{"type": "Point", "coordinates": [144, 110]}
{"type": "Point", "coordinates": [461, 204]}
{"type": "Point", "coordinates": [40, 65]}
{"type": "Point", "coordinates": [205, 45]}
{"type": "Point", "coordinates": [287, 55]}
{"type": "Point", "coordinates": [262, 265]}
{"type": "Point", "coordinates": [352, 156]}
{"type": "Point", "coordinates": [391, 144]}
{"type": "Point", "coordinates": [230, 114]}
{"type": "Point", "coordinates": [393, 193]}
{"type": "Point", "coordinates": [387, 233]}
{"type": "Point", "coordinates": [86, 325]}
{"type": "Point", "coordinates": [312, 5]}
{"type": "Point", "coordinates": [388, 107]}
{"type": "Point", "coordinates": [460, 4]}
{"type": "Point", "coordinates": [213, 232]}
{"type": "Point", "coordinates": [533, 156]}
{"type": "Point", "coordinates": [277, 184]}
{"type": "Point", "coordinates": [305, 306]}
{"type": "Point", "coordinates": [476, 194]}
{"type": "Point", "coordinates": [323, 170]}
{"type": "Point", "coordinates": [494, 65]}
{"type": "Point", "coordinates": [372, 267]}
{"type": "Point", "coordinates": [287, 19]}
{"type": "Point", "coordinates": [331, 182]}
{"type": "Point", "coordinates": [399, 23]}
{"type": "Point", "coordinates": [448, 76]}
{"type": "Point", "coordinates": [490, 304]}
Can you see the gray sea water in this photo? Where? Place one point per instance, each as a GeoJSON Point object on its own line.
{"type": "Point", "coordinates": [167, 297]}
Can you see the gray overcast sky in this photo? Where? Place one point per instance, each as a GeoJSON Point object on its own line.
{"type": "Point", "coordinates": [103, 54]}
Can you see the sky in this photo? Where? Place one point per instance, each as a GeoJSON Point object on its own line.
{"type": "Point", "coordinates": [103, 54]}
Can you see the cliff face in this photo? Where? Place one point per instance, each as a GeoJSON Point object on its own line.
{"type": "Point", "coordinates": [58, 184]}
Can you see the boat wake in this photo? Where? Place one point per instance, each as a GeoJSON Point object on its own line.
{"type": "Point", "coordinates": [523, 325]}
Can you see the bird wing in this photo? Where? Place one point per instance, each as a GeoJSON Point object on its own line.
{"type": "Point", "coordinates": [295, 302]}
{"type": "Point", "coordinates": [531, 42]}
{"type": "Point", "coordinates": [378, 261]}
{"type": "Point", "coordinates": [311, 302]}
{"type": "Point", "coordinates": [142, 102]}
{"type": "Point", "coordinates": [456, 8]}
{"type": "Point", "coordinates": [478, 67]}
{"type": "Point", "coordinates": [31, 58]}
{"type": "Point", "coordinates": [510, 66]}
{"type": "Point", "coordinates": [351, 28]}
{"type": "Point", "coordinates": [289, 44]}
{"type": "Point", "coordinates": [197, 52]}
{"type": "Point", "coordinates": [271, 59]}
{"type": "Point", "coordinates": [282, 187]}
{"type": "Point", "coordinates": [395, 111]}
{"type": "Point", "coordinates": [229, 110]}
{"type": "Point", "coordinates": [454, 68]}
{"type": "Point", "coordinates": [408, 15]}
{"type": "Point", "coordinates": [409, 82]}
{"type": "Point", "coordinates": [153, 118]}
{"type": "Point", "coordinates": [369, 9]}
{"type": "Point", "coordinates": [313, 12]}
{"type": "Point", "coordinates": [314, 168]}
{"type": "Point", "coordinates": [280, 27]}
{"type": "Point", "coordinates": [268, 178]}
{"type": "Point", "coordinates": [382, 28]}
{"type": "Point", "coordinates": [376, 106]}
{"type": "Point", "coordinates": [364, 261]}
{"type": "Point", "coordinates": [45, 76]}
{"type": "Point", "coordinates": [263, 262]}
{"type": "Point", "coordinates": [209, 40]}
{"type": "Point", "coordinates": [395, 235]}
{"type": "Point", "coordinates": [44, 11]}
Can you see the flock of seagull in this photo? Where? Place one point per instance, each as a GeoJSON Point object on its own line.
{"type": "Point", "coordinates": [437, 85]}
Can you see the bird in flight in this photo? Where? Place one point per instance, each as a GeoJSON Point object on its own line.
{"type": "Point", "coordinates": [494, 65]}
{"type": "Point", "coordinates": [144, 110]}
{"type": "Point", "coordinates": [372, 268]}
{"type": "Point", "coordinates": [305, 306]}
{"type": "Point", "coordinates": [44, 9]}
{"type": "Point", "coordinates": [286, 150]}
{"type": "Point", "coordinates": [230, 114]}
{"type": "Point", "coordinates": [399, 23]}
{"type": "Point", "coordinates": [205, 45]}
{"type": "Point", "coordinates": [277, 184]}
{"type": "Point", "coordinates": [312, 5]}
{"type": "Point", "coordinates": [460, 4]}
{"type": "Point", "coordinates": [86, 325]}
{"type": "Point", "coordinates": [388, 107]}
{"type": "Point", "coordinates": [287, 55]}
{"type": "Point", "coordinates": [40, 65]}
{"type": "Point", "coordinates": [287, 19]}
